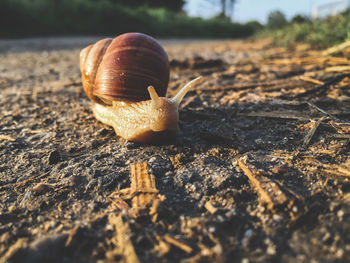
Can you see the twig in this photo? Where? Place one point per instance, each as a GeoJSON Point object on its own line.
{"type": "Point", "coordinates": [337, 48]}
{"type": "Point", "coordinates": [178, 244]}
{"type": "Point", "coordinates": [142, 192]}
{"type": "Point", "coordinates": [312, 131]}
{"type": "Point", "coordinates": [143, 183]}
{"type": "Point", "coordinates": [71, 235]}
{"type": "Point", "coordinates": [122, 240]}
{"type": "Point", "coordinates": [311, 80]}
{"type": "Point", "coordinates": [341, 136]}
{"type": "Point", "coordinates": [21, 243]}
{"type": "Point", "coordinates": [328, 168]}
{"type": "Point", "coordinates": [337, 69]}
{"type": "Point", "coordinates": [323, 86]}
{"type": "Point", "coordinates": [270, 193]}
{"type": "Point", "coordinates": [277, 115]}
{"type": "Point", "coordinates": [153, 210]}
{"type": "Point", "coordinates": [255, 182]}
{"type": "Point", "coordinates": [339, 172]}
{"type": "Point", "coordinates": [324, 112]}
{"type": "Point", "coordinates": [211, 209]}
{"type": "Point", "coordinates": [7, 138]}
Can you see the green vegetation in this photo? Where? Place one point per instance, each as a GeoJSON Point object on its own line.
{"type": "Point", "coordinates": [276, 20]}
{"type": "Point", "coordinates": [320, 33]}
{"type": "Point", "coordinates": [23, 18]}
{"type": "Point", "coordinates": [160, 18]}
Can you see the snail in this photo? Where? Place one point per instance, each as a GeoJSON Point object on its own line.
{"type": "Point", "coordinates": [126, 79]}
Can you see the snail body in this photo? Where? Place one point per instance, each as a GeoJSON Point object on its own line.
{"type": "Point", "coordinates": [126, 78]}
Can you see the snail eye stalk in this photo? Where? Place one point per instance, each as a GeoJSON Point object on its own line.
{"type": "Point", "coordinates": [182, 92]}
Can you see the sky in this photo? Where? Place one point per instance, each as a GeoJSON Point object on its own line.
{"type": "Point", "coordinates": [245, 10]}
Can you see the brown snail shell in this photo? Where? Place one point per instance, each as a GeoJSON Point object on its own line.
{"type": "Point", "coordinates": [126, 78]}
{"type": "Point", "coordinates": [122, 68]}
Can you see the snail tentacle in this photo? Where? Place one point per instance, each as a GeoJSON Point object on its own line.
{"type": "Point", "coordinates": [154, 97]}
{"type": "Point", "coordinates": [183, 91]}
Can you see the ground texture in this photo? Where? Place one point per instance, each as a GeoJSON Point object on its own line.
{"type": "Point", "coordinates": [258, 173]}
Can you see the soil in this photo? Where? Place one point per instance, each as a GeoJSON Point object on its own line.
{"type": "Point", "coordinates": [259, 172]}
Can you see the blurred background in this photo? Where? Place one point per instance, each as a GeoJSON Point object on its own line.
{"type": "Point", "coordinates": [320, 22]}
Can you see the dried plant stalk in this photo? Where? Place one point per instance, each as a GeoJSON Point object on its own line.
{"type": "Point", "coordinates": [268, 191]}
{"type": "Point", "coordinates": [143, 185]}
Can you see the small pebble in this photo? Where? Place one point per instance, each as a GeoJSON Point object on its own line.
{"type": "Point", "coordinates": [41, 188]}
{"type": "Point", "coordinates": [280, 169]}
{"type": "Point", "coordinates": [340, 214]}
{"type": "Point", "coordinates": [54, 157]}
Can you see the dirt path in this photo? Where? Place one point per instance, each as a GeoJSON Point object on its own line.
{"type": "Point", "coordinates": [259, 172]}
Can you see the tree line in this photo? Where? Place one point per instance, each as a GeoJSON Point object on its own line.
{"type": "Point", "coordinates": [162, 18]}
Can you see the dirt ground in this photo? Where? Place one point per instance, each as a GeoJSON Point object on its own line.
{"type": "Point", "coordinates": [258, 173]}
